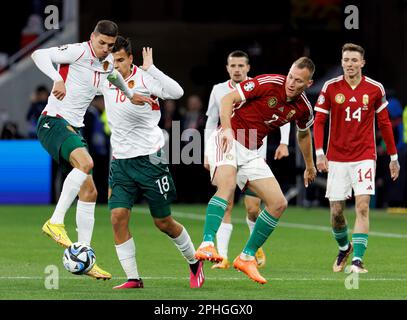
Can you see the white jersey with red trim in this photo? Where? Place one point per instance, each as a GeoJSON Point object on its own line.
{"type": "Point", "coordinates": [83, 74]}
{"type": "Point", "coordinates": [135, 130]}
{"type": "Point", "coordinates": [218, 92]}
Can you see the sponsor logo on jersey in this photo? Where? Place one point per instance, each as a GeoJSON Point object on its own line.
{"type": "Point", "coordinates": [281, 109]}
{"type": "Point", "coordinates": [272, 102]}
{"type": "Point", "coordinates": [131, 84]}
{"type": "Point", "coordinates": [369, 188]}
{"type": "Point", "coordinates": [46, 125]}
{"type": "Point", "coordinates": [229, 156]}
{"type": "Point", "coordinates": [105, 65]}
{"type": "Point", "coordinates": [340, 98]}
{"type": "Point", "coordinates": [249, 86]}
{"type": "Point", "coordinates": [353, 99]}
{"type": "Point", "coordinates": [290, 114]}
{"type": "Point", "coordinates": [321, 99]}
{"type": "Point", "coordinates": [365, 99]}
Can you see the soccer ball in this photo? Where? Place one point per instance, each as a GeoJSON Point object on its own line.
{"type": "Point", "coordinates": [78, 258]}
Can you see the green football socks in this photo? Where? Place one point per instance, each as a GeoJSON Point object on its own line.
{"type": "Point", "coordinates": [341, 237]}
{"type": "Point", "coordinates": [214, 215]}
{"type": "Point", "coordinates": [265, 224]}
{"type": "Point", "coordinates": [359, 244]}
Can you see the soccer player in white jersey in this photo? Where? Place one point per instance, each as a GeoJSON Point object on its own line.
{"type": "Point", "coordinates": [238, 67]}
{"type": "Point", "coordinates": [138, 168]}
{"type": "Point", "coordinates": [82, 68]}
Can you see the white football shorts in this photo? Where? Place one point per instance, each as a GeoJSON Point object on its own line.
{"type": "Point", "coordinates": [250, 164]}
{"type": "Point", "coordinates": [345, 176]}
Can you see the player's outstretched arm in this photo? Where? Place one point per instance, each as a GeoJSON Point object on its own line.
{"type": "Point", "coordinates": [117, 80]}
{"type": "Point", "coordinates": [159, 83]}
{"type": "Point", "coordinates": [305, 144]}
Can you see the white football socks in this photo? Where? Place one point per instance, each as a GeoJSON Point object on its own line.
{"type": "Point", "coordinates": [70, 190]}
{"type": "Point", "coordinates": [250, 224]}
{"type": "Point", "coordinates": [127, 257]}
{"type": "Point", "coordinates": [85, 219]}
{"type": "Point", "coordinates": [184, 244]}
{"type": "Point", "coordinates": [223, 237]}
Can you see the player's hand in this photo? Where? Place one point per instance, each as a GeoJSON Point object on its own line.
{"type": "Point", "coordinates": [206, 163]}
{"type": "Point", "coordinates": [59, 89]}
{"type": "Point", "coordinates": [141, 100]}
{"type": "Point", "coordinates": [281, 152]}
{"type": "Point", "coordinates": [309, 176]}
{"type": "Point", "coordinates": [322, 163]}
{"type": "Point", "coordinates": [394, 169]}
{"type": "Point", "coordinates": [147, 58]}
{"type": "Point", "coordinates": [227, 138]}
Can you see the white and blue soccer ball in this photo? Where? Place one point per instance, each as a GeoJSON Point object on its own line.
{"type": "Point", "coordinates": [79, 258]}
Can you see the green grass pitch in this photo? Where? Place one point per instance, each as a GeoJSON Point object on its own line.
{"type": "Point", "coordinates": [300, 254]}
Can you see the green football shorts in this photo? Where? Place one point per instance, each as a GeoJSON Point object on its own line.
{"type": "Point", "coordinates": [138, 177]}
{"type": "Point", "coordinates": [58, 140]}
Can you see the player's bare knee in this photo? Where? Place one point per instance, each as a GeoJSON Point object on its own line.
{"type": "Point", "coordinates": [252, 211]}
{"type": "Point", "coordinates": [278, 206]}
{"type": "Point", "coordinates": [362, 209]}
{"type": "Point", "coordinates": [119, 218]}
{"type": "Point", "coordinates": [164, 225]}
{"type": "Point", "coordinates": [86, 166]}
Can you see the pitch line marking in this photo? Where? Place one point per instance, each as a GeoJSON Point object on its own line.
{"type": "Point", "coordinates": [194, 216]}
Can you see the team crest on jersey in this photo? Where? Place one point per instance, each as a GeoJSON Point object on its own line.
{"type": "Point", "coordinates": [290, 114]}
{"type": "Point", "coordinates": [365, 99]}
{"type": "Point", "coordinates": [131, 84]}
{"type": "Point", "coordinates": [105, 65]}
{"type": "Point", "coordinates": [272, 102]}
{"type": "Point", "coordinates": [321, 99]}
{"type": "Point", "coordinates": [340, 98]}
{"type": "Point", "coordinates": [249, 86]}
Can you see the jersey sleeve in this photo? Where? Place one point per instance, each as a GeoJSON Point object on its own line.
{"type": "Point", "coordinates": [307, 118]}
{"type": "Point", "coordinates": [213, 106]}
{"type": "Point", "coordinates": [323, 103]}
{"type": "Point", "coordinates": [161, 85]}
{"type": "Point", "coordinates": [381, 100]}
{"type": "Point", "coordinates": [66, 54]}
{"type": "Point", "coordinates": [256, 87]}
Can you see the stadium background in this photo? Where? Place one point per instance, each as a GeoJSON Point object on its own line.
{"type": "Point", "coordinates": [191, 41]}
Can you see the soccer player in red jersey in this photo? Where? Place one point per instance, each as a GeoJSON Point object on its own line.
{"type": "Point", "coordinates": [258, 107]}
{"type": "Point", "coordinates": [352, 101]}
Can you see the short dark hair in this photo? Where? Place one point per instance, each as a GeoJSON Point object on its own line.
{"type": "Point", "coordinates": [238, 54]}
{"type": "Point", "coordinates": [107, 28]}
{"type": "Point", "coordinates": [353, 47]}
{"type": "Point", "coordinates": [123, 43]}
{"type": "Point", "coordinates": [305, 62]}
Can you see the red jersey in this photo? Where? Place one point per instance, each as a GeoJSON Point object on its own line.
{"type": "Point", "coordinates": [352, 119]}
{"type": "Point", "coordinates": [264, 108]}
